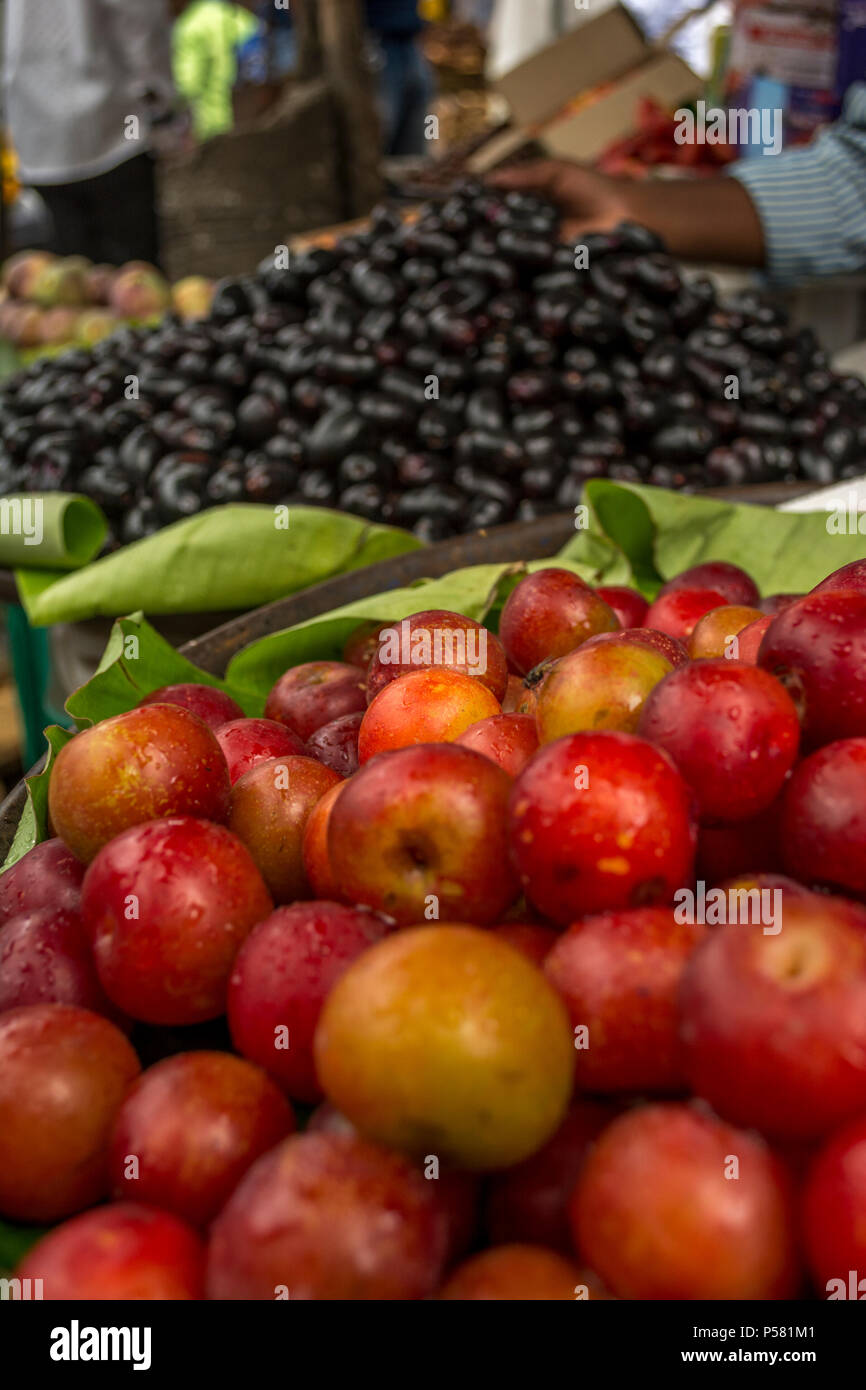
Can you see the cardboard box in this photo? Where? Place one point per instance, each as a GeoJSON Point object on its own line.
{"type": "Point", "coordinates": [604, 44]}
{"type": "Point", "coordinates": [587, 133]}
{"type": "Point", "coordinates": [604, 59]}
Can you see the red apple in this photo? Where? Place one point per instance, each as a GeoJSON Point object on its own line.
{"type": "Point", "coordinates": [774, 1019]}
{"type": "Point", "coordinates": [119, 1253]}
{"type": "Point", "coordinates": [212, 706]}
{"type": "Point", "coordinates": [64, 1072]}
{"type": "Point", "coordinates": [678, 611]}
{"type": "Point", "coordinates": [336, 744]}
{"type": "Point", "coordinates": [189, 1129]}
{"type": "Point", "coordinates": [438, 638]}
{"type": "Point", "coordinates": [731, 729]}
{"type": "Point", "coordinates": [428, 706]}
{"type": "Point", "coordinates": [729, 580]}
{"type": "Point", "coordinates": [158, 760]}
{"type": "Point", "coordinates": [548, 614]}
{"type": "Point", "coordinates": [454, 1192]}
{"type": "Point", "coordinates": [314, 848]}
{"type": "Point", "coordinates": [749, 640]}
{"type": "Point", "coordinates": [834, 1214]}
{"type": "Point", "coordinates": [673, 1204]}
{"type": "Point", "coordinates": [167, 906]}
{"type": "Point", "coordinates": [45, 958]}
{"type": "Point", "coordinates": [600, 821]}
{"type": "Point", "coordinates": [823, 825]}
{"type": "Point", "coordinates": [628, 604]}
{"type": "Point", "coordinates": [420, 834]}
{"type": "Point", "coordinates": [620, 974]}
{"type": "Point", "coordinates": [817, 649]}
{"type": "Point", "coordinates": [509, 740]}
{"type": "Point", "coordinates": [246, 742]}
{"type": "Point", "coordinates": [48, 875]}
{"type": "Point", "coordinates": [316, 693]}
{"type": "Point", "coordinates": [271, 805]}
{"type": "Point", "coordinates": [850, 576]}
{"type": "Point", "coordinates": [281, 978]}
{"type": "Point", "coordinates": [328, 1216]}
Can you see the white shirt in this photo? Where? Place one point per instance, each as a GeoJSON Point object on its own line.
{"type": "Point", "coordinates": [75, 71]}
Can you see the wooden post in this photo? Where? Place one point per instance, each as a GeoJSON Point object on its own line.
{"type": "Point", "coordinates": [344, 51]}
{"type": "Point", "coordinates": [306, 21]}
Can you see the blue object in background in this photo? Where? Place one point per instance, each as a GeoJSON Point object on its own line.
{"type": "Point", "coordinates": [766, 94]}
{"type": "Point", "coordinates": [406, 91]}
{"type": "Point", "coordinates": [272, 53]}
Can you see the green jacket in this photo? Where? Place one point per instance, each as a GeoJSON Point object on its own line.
{"type": "Point", "coordinates": [205, 41]}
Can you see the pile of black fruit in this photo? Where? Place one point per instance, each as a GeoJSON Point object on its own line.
{"type": "Point", "coordinates": [458, 371]}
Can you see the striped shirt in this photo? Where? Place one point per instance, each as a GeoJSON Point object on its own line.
{"type": "Point", "coordinates": [812, 201]}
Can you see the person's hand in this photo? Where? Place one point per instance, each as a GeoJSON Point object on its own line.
{"type": "Point", "coordinates": [711, 219]}
{"type": "Point", "coordinates": [589, 202]}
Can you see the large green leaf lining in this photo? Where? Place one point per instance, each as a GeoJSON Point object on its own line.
{"type": "Point", "coordinates": [31, 827]}
{"type": "Point", "coordinates": [136, 661]}
{"type": "Point", "coordinates": [784, 552]}
{"type": "Point", "coordinates": [227, 558]}
{"type": "Point", "coordinates": [620, 542]}
{"type": "Point", "coordinates": [634, 535]}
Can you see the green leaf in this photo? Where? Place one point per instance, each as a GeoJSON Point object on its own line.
{"type": "Point", "coordinates": [232, 557]}
{"type": "Point", "coordinates": [784, 552]}
{"type": "Point", "coordinates": [136, 661]}
{"type": "Point", "coordinates": [15, 1241]}
{"type": "Point", "coordinates": [34, 817]}
{"type": "Point", "coordinates": [71, 530]}
{"type": "Point", "coordinates": [466, 591]}
{"type": "Point", "coordinates": [628, 523]}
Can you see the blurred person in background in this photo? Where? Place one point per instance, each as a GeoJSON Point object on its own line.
{"type": "Point", "coordinates": [205, 41]}
{"type": "Point", "coordinates": [406, 84]}
{"type": "Point", "coordinates": [88, 87]}
{"type": "Point", "coordinates": [405, 79]}
{"type": "Point", "coordinates": [268, 52]}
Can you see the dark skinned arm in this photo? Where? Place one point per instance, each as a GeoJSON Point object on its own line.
{"type": "Point", "coordinates": [711, 219]}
